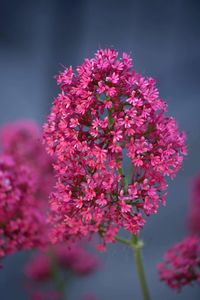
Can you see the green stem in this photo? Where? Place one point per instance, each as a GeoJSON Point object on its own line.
{"type": "Point", "coordinates": [122, 240]}
{"type": "Point", "coordinates": [56, 276]}
{"type": "Point", "coordinates": [110, 119]}
{"type": "Point", "coordinates": [136, 245]}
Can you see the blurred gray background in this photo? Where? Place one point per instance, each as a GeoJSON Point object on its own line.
{"type": "Point", "coordinates": [38, 37]}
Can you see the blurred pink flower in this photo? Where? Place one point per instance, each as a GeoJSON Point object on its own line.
{"type": "Point", "coordinates": [23, 141]}
{"type": "Point", "coordinates": [182, 264]}
{"type": "Point", "coordinates": [26, 180]}
{"type": "Point", "coordinates": [73, 259]}
{"type": "Point", "coordinates": [194, 207]}
{"type": "Point", "coordinates": [21, 220]}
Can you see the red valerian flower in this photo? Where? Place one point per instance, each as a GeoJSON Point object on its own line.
{"type": "Point", "coordinates": [21, 220]}
{"type": "Point", "coordinates": [53, 265]}
{"type": "Point", "coordinates": [73, 259]}
{"type": "Point", "coordinates": [105, 112]}
{"type": "Point", "coordinates": [194, 208]}
{"type": "Point", "coordinates": [182, 264]}
{"type": "Point", "coordinates": [23, 141]}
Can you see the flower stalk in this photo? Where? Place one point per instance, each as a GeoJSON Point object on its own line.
{"type": "Point", "coordinates": [57, 280]}
{"type": "Point", "coordinates": [136, 245]}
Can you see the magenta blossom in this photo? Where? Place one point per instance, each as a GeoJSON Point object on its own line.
{"type": "Point", "coordinates": [21, 221]}
{"type": "Point", "coordinates": [194, 208]}
{"type": "Point", "coordinates": [182, 264]}
{"type": "Point", "coordinates": [105, 112]}
{"type": "Point", "coordinates": [73, 259]}
{"type": "Point", "coordinates": [54, 265]}
{"type": "Point", "coordinates": [23, 141]}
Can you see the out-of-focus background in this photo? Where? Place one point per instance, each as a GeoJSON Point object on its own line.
{"type": "Point", "coordinates": [38, 37]}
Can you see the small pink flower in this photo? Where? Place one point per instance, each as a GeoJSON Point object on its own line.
{"type": "Point", "coordinates": [39, 268]}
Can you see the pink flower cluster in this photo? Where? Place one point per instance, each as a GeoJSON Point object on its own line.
{"type": "Point", "coordinates": [26, 179]}
{"type": "Point", "coordinates": [73, 259]}
{"type": "Point", "coordinates": [23, 141]}
{"type": "Point", "coordinates": [21, 222]}
{"type": "Point", "coordinates": [105, 113]}
{"type": "Point", "coordinates": [63, 260]}
{"type": "Point", "coordinates": [194, 209]}
{"type": "Point", "coordinates": [182, 261]}
{"type": "Point", "coordinates": [182, 264]}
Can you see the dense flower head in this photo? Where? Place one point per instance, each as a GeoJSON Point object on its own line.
{"type": "Point", "coordinates": [23, 141]}
{"type": "Point", "coordinates": [194, 207]}
{"type": "Point", "coordinates": [182, 264]}
{"type": "Point", "coordinates": [73, 259]}
{"type": "Point", "coordinates": [21, 221]}
{"type": "Point", "coordinates": [105, 113]}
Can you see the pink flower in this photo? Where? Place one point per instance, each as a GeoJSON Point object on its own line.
{"type": "Point", "coordinates": [69, 258]}
{"type": "Point", "coordinates": [58, 262]}
{"type": "Point", "coordinates": [104, 112]}
{"type": "Point", "coordinates": [21, 220]}
{"type": "Point", "coordinates": [182, 264]}
{"type": "Point", "coordinates": [194, 209]}
{"type": "Point", "coordinates": [23, 216]}
{"type": "Point", "coordinates": [23, 141]}
{"type": "Point", "coordinates": [39, 268]}
{"type": "Point", "coordinates": [77, 259]}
